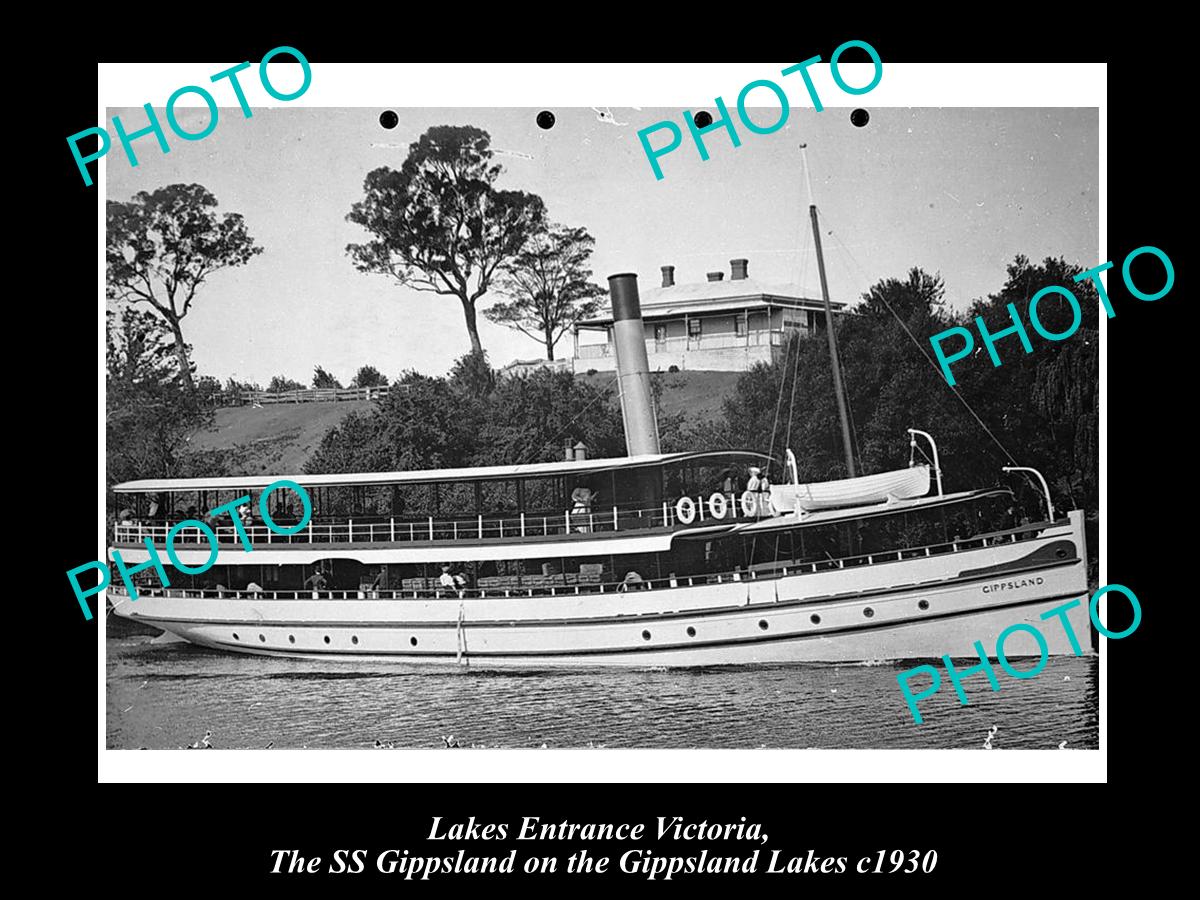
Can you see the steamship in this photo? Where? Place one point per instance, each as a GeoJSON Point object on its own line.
{"type": "Point", "coordinates": [654, 559]}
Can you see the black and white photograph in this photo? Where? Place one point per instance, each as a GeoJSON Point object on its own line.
{"type": "Point", "coordinates": [457, 428]}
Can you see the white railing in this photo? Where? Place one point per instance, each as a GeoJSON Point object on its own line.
{"type": "Point", "coordinates": [429, 529]}
{"type": "Point", "coordinates": [573, 584]}
{"type": "Point", "coordinates": [682, 343]}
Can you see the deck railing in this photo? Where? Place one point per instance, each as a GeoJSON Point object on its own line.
{"type": "Point", "coordinates": [394, 530]}
{"type": "Point", "coordinates": [760, 572]}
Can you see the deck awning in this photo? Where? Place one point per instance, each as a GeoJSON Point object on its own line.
{"type": "Point", "coordinates": [429, 476]}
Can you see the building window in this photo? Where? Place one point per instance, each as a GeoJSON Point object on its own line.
{"type": "Point", "coordinates": [739, 326]}
{"type": "Point", "coordinates": [660, 334]}
{"type": "Point", "coordinates": [693, 328]}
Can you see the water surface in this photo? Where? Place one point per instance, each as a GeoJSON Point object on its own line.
{"type": "Point", "coordinates": [168, 696]}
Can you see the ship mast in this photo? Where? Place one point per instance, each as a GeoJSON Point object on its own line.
{"type": "Point", "coordinates": [838, 388]}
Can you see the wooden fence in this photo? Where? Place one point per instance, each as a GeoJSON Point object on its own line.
{"type": "Point", "coordinates": [320, 395]}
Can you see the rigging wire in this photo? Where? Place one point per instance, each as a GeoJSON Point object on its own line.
{"type": "Point", "coordinates": [929, 359]}
{"type": "Point", "coordinates": [801, 268]}
{"type": "Point", "coordinates": [787, 349]}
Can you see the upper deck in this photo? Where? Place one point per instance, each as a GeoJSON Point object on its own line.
{"type": "Point", "coordinates": [574, 500]}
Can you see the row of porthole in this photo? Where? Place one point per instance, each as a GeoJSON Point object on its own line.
{"type": "Point", "coordinates": [691, 632]}
{"type": "Point", "coordinates": [814, 618]}
{"type": "Point", "coordinates": [292, 639]}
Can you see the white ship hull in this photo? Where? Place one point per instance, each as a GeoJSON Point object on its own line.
{"type": "Point", "coordinates": [917, 608]}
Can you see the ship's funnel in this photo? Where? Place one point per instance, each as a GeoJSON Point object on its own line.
{"type": "Point", "coordinates": [633, 368]}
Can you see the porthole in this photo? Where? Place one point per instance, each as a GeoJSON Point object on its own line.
{"type": "Point", "coordinates": [691, 631]}
{"type": "Point", "coordinates": [291, 639]}
{"type": "Point", "coordinates": [263, 638]}
{"type": "Point", "coordinates": [815, 619]}
{"type": "Point", "coordinates": [868, 612]}
{"type": "Point", "coordinates": [1060, 552]}
{"type": "Point", "coordinates": [354, 639]}
{"type": "Point", "coordinates": [762, 623]}
{"type": "Point", "coordinates": [924, 604]}
{"type": "Point", "coordinates": [327, 639]}
{"type": "Point", "coordinates": [235, 637]}
{"type": "Point", "coordinates": [413, 641]}
{"type": "Point", "coordinates": [645, 635]}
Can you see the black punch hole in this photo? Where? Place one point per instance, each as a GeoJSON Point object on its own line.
{"type": "Point", "coordinates": [545, 119]}
{"type": "Point", "coordinates": [702, 119]}
{"type": "Point", "coordinates": [389, 119]}
{"type": "Point", "coordinates": [859, 118]}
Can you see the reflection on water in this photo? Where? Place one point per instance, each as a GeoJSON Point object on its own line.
{"type": "Point", "coordinates": [169, 696]}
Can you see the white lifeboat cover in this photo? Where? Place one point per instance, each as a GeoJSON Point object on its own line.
{"type": "Point", "coordinates": [903, 484]}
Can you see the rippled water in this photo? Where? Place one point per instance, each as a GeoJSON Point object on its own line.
{"type": "Point", "coordinates": [168, 696]}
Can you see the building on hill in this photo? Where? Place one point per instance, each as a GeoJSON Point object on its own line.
{"type": "Point", "coordinates": [716, 325]}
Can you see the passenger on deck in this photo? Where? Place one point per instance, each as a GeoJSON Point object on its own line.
{"type": "Point", "coordinates": [729, 482]}
{"type": "Point", "coordinates": [633, 581]}
{"type": "Point", "coordinates": [446, 580]}
{"type": "Point", "coordinates": [755, 481]}
{"type": "Point", "coordinates": [581, 498]}
{"type": "Point", "coordinates": [254, 588]}
{"type": "Point", "coordinates": [316, 581]}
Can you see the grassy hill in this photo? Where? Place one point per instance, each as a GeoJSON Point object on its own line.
{"type": "Point", "coordinates": [278, 438]}
{"type": "Point", "coordinates": [698, 395]}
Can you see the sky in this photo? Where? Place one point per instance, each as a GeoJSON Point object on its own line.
{"type": "Point", "coordinates": [956, 191]}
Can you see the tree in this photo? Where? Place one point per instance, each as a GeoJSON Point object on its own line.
{"type": "Point", "coordinates": [322, 379]}
{"type": "Point", "coordinates": [439, 224]}
{"type": "Point", "coordinates": [473, 375]}
{"type": "Point", "coordinates": [281, 383]}
{"type": "Point", "coordinates": [549, 283]}
{"type": "Point", "coordinates": [163, 245]}
{"type": "Point", "coordinates": [138, 347]}
{"type": "Point", "coordinates": [368, 376]}
{"type": "Point", "coordinates": [150, 414]}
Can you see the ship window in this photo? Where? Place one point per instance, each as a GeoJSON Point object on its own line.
{"type": "Point", "coordinates": [762, 623]}
{"type": "Point", "coordinates": [815, 619]}
{"type": "Point", "coordinates": [263, 638]}
{"type": "Point", "coordinates": [354, 639]}
{"type": "Point", "coordinates": [924, 604]}
{"type": "Point", "coordinates": [868, 612]}
{"type": "Point", "coordinates": [327, 639]}
{"type": "Point", "coordinates": [413, 641]}
{"type": "Point", "coordinates": [235, 636]}
{"type": "Point", "coordinates": [645, 635]}
{"type": "Point", "coordinates": [291, 639]}
{"type": "Point", "coordinates": [691, 632]}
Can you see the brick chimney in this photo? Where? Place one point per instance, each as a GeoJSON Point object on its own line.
{"type": "Point", "coordinates": [739, 267]}
{"type": "Point", "coordinates": [716, 276]}
{"type": "Point", "coordinates": [668, 276]}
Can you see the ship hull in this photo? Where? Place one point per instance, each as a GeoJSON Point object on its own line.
{"type": "Point", "coordinates": [919, 608]}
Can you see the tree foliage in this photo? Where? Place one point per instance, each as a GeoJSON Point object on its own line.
{"type": "Point", "coordinates": [449, 422]}
{"type": "Point", "coordinates": [368, 376]}
{"type": "Point", "coordinates": [1042, 407]}
{"type": "Point", "coordinates": [163, 245]}
{"type": "Point", "coordinates": [138, 347]}
{"type": "Point", "coordinates": [281, 383]}
{"type": "Point", "coordinates": [150, 414]}
{"type": "Point", "coordinates": [322, 379]}
{"type": "Point", "coordinates": [548, 285]}
{"type": "Point", "coordinates": [439, 224]}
